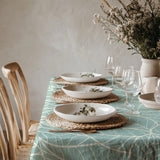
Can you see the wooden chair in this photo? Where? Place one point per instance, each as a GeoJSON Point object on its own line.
{"type": "Point", "coordinates": [16, 150]}
{"type": "Point", "coordinates": [3, 145]}
{"type": "Point", "coordinates": [15, 76]}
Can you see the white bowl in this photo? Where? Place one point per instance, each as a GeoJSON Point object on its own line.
{"type": "Point", "coordinates": [149, 101]}
{"type": "Point", "coordinates": [81, 77]}
{"type": "Point", "coordinates": [86, 92]}
{"type": "Point", "coordinates": [66, 111]}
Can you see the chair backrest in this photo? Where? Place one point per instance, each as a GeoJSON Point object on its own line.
{"type": "Point", "coordinates": [3, 145]}
{"type": "Point", "coordinates": [11, 125]}
{"type": "Point", "coordinates": [15, 76]}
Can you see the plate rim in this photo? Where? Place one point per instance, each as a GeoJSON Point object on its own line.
{"type": "Point", "coordinates": [81, 79]}
{"type": "Point", "coordinates": [99, 74]}
{"type": "Point", "coordinates": [64, 88]}
{"type": "Point", "coordinates": [115, 110]}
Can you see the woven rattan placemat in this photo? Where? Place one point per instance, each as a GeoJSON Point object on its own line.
{"type": "Point", "coordinates": [117, 120]}
{"type": "Point", "coordinates": [61, 97]}
{"type": "Point", "coordinates": [61, 81]}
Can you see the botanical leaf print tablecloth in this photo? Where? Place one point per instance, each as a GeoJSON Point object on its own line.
{"type": "Point", "coordinates": [139, 139]}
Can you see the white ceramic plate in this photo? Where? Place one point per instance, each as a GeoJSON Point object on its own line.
{"type": "Point", "coordinates": [87, 92]}
{"type": "Point", "coordinates": [81, 77]}
{"type": "Point", "coordinates": [67, 111]}
{"type": "Point", "coordinates": [149, 101]}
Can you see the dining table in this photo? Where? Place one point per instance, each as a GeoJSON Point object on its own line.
{"type": "Point", "coordinates": [138, 139]}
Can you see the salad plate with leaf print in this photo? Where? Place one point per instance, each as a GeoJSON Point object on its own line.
{"type": "Point", "coordinates": [86, 91]}
{"type": "Point", "coordinates": [81, 77]}
{"type": "Point", "coordinates": [85, 112]}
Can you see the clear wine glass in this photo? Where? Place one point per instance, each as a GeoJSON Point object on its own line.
{"type": "Point", "coordinates": [133, 88]}
{"type": "Point", "coordinates": [118, 76]}
{"type": "Point", "coordinates": [157, 92]}
{"type": "Point", "coordinates": [124, 83]}
{"type": "Point", "coordinates": [110, 66]}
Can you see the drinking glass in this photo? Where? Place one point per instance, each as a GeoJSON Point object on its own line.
{"type": "Point", "coordinates": [125, 81]}
{"type": "Point", "coordinates": [133, 88]}
{"type": "Point", "coordinates": [157, 92]}
{"type": "Point", "coordinates": [110, 66]}
{"type": "Point", "coordinates": [118, 76]}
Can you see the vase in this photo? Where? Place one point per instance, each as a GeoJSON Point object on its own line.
{"type": "Point", "coordinates": [150, 68]}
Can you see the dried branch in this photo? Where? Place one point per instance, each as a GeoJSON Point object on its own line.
{"type": "Point", "coordinates": [107, 4]}
{"type": "Point", "coordinates": [135, 24]}
{"type": "Point", "coordinates": [102, 7]}
{"type": "Point", "coordinates": [122, 4]}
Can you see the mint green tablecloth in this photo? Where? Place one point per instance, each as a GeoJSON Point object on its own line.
{"type": "Point", "coordinates": [139, 139]}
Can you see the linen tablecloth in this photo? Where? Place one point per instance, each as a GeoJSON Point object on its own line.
{"type": "Point", "coordinates": [139, 139]}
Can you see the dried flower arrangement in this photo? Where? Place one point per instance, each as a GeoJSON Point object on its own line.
{"type": "Point", "coordinates": [136, 24]}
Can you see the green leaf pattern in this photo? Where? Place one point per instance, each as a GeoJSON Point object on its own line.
{"type": "Point", "coordinates": [139, 139]}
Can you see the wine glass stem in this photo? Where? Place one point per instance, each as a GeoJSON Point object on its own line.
{"type": "Point", "coordinates": [126, 94]}
{"type": "Point", "coordinates": [112, 80]}
{"type": "Point", "coordinates": [132, 102]}
{"type": "Point", "coordinates": [126, 97]}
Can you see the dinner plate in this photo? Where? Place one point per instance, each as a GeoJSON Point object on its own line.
{"type": "Point", "coordinates": [75, 112]}
{"type": "Point", "coordinates": [87, 92]}
{"type": "Point", "coordinates": [149, 101]}
{"type": "Point", "coordinates": [81, 77]}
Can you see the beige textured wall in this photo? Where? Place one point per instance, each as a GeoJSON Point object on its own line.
{"type": "Point", "coordinates": [50, 37]}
